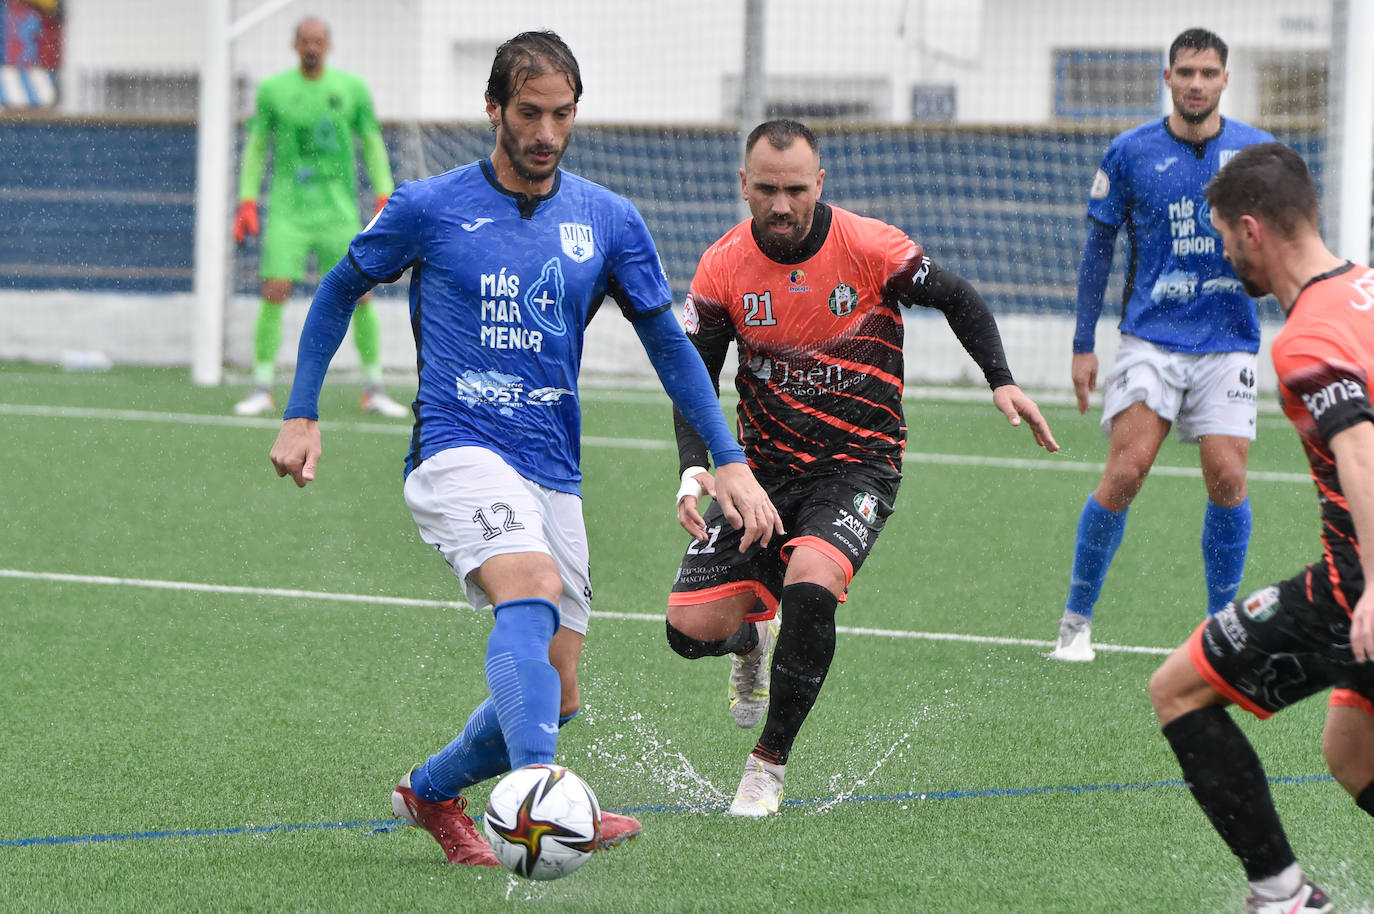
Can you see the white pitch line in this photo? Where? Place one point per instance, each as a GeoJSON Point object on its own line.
{"type": "Point", "coordinates": [192, 587]}
{"type": "Point", "coordinates": [1056, 464]}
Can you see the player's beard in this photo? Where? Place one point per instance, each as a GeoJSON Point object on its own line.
{"type": "Point", "coordinates": [1196, 117]}
{"type": "Point", "coordinates": [781, 246]}
{"type": "Point", "coordinates": [520, 161]}
{"type": "Point", "coordinates": [1241, 266]}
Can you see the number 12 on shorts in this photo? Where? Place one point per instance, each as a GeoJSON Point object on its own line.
{"type": "Point", "coordinates": [506, 520]}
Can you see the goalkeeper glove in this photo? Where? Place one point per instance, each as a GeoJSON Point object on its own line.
{"type": "Point", "coordinates": [246, 222]}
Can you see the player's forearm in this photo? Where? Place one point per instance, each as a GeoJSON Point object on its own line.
{"type": "Point", "coordinates": [254, 161]}
{"type": "Point", "coordinates": [976, 329]}
{"type": "Point", "coordinates": [325, 327]}
{"type": "Point", "coordinates": [1353, 448]}
{"type": "Point", "coordinates": [688, 384]}
{"type": "Point", "coordinates": [376, 163]}
{"type": "Point", "coordinates": [1093, 272]}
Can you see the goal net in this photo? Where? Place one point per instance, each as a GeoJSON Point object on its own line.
{"type": "Point", "coordinates": [974, 126]}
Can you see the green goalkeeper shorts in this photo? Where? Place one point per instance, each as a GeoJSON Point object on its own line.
{"type": "Point", "coordinates": [287, 246]}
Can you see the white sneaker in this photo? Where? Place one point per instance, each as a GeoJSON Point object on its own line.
{"type": "Point", "coordinates": [1075, 639]}
{"type": "Point", "coordinates": [760, 790]}
{"type": "Point", "coordinates": [255, 404]}
{"type": "Point", "coordinates": [376, 401]}
{"type": "Point", "coordinates": [1308, 900]}
{"type": "Point", "coordinates": [749, 676]}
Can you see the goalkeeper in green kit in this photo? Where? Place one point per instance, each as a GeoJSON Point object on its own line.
{"type": "Point", "coordinates": [312, 115]}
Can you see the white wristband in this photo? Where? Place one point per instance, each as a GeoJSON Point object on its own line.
{"type": "Point", "coordinates": [689, 485]}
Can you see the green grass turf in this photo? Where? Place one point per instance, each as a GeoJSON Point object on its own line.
{"type": "Point", "coordinates": [234, 749]}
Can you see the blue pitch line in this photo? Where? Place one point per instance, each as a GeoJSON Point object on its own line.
{"type": "Point", "coordinates": [383, 826]}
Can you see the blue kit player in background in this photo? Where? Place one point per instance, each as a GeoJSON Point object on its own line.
{"type": "Point", "coordinates": [510, 257]}
{"type": "Point", "coordinates": [1189, 333]}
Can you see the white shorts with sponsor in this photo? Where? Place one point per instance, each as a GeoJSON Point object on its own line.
{"type": "Point", "coordinates": [470, 505]}
{"type": "Point", "coordinates": [1209, 393]}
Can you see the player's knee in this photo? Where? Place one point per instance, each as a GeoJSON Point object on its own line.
{"type": "Point", "coordinates": [1121, 483]}
{"type": "Point", "coordinates": [692, 648]}
{"type": "Point", "coordinates": [1163, 697]}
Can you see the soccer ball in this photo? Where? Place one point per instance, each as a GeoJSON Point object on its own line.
{"type": "Point", "coordinates": [543, 821]}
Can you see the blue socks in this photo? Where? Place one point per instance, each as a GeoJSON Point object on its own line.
{"type": "Point", "coordinates": [476, 754]}
{"type": "Point", "coordinates": [1099, 533]}
{"type": "Point", "coordinates": [1225, 538]}
{"type": "Point", "coordinates": [518, 723]}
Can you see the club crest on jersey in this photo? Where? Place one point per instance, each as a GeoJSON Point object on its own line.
{"type": "Point", "coordinates": [867, 506]}
{"type": "Point", "coordinates": [843, 298]}
{"type": "Point", "coordinates": [691, 321]}
{"type": "Point", "coordinates": [577, 241]}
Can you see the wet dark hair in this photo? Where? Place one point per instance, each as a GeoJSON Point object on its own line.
{"type": "Point", "coordinates": [1198, 40]}
{"type": "Point", "coordinates": [531, 54]}
{"type": "Point", "coordinates": [780, 133]}
{"type": "Point", "coordinates": [1270, 182]}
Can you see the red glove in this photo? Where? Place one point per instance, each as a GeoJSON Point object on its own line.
{"type": "Point", "coordinates": [381, 202]}
{"type": "Point", "coordinates": [246, 222]}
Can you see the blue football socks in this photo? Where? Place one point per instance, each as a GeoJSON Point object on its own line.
{"type": "Point", "coordinates": [525, 687]}
{"type": "Point", "coordinates": [1099, 533]}
{"type": "Point", "coordinates": [478, 753]}
{"type": "Point", "coordinates": [526, 684]}
{"type": "Point", "coordinates": [1225, 539]}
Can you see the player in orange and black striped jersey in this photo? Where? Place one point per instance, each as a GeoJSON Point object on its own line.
{"type": "Point", "coordinates": [812, 295]}
{"type": "Point", "coordinates": [1315, 630]}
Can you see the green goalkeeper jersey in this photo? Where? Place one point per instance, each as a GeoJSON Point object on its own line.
{"type": "Point", "coordinates": [312, 123]}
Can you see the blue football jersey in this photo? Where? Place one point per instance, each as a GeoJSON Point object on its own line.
{"type": "Point", "coordinates": [502, 288]}
{"type": "Point", "coordinates": [1180, 293]}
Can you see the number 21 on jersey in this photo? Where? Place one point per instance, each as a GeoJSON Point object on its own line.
{"type": "Point", "coordinates": [758, 309]}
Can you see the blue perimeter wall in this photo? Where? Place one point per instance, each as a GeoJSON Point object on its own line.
{"type": "Point", "coordinates": [110, 206]}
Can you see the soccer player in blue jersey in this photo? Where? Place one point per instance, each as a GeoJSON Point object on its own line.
{"type": "Point", "coordinates": [1189, 332]}
{"type": "Point", "coordinates": [510, 257]}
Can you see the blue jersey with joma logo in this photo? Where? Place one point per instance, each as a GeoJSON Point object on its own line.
{"type": "Point", "coordinates": [502, 287]}
{"type": "Point", "coordinates": [1180, 293]}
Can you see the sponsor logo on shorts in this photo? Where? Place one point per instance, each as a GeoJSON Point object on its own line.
{"type": "Point", "coordinates": [843, 298]}
{"type": "Point", "coordinates": [1262, 604]}
{"type": "Point", "coordinates": [867, 506]}
{"type": "Point", "coordinates": [1228, 620]}
{"type": "Point", "coordinates": [1247, 394]}
{"type": "Point", "coordinates": [847, 521]}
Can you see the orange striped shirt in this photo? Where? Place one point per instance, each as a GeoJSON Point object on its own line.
{"type": "Point", "coordinates": [819, 343]}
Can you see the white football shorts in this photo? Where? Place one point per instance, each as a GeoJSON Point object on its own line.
{"type": "Point", "coordinates": [470, 505]}
{"type": "Point", "coordinates": [1208, 393]}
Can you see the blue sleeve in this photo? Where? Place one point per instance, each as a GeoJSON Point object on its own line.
{"type": "Point", "coordinates": [1093, 271]}
{"type": "Point", "coordinates": [392, 240]}
{"type": "Point", "coordinates": [684, 377]}
{"type": "Point", "coordinates": [325, 326]}
{"type": "Point", "coordinates": [636, 266]}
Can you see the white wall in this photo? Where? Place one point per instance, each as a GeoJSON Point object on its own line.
{"type": "Point", "coordinates": [1021, 38]}
{"type": "Point", "coordinates": [668, 60]}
